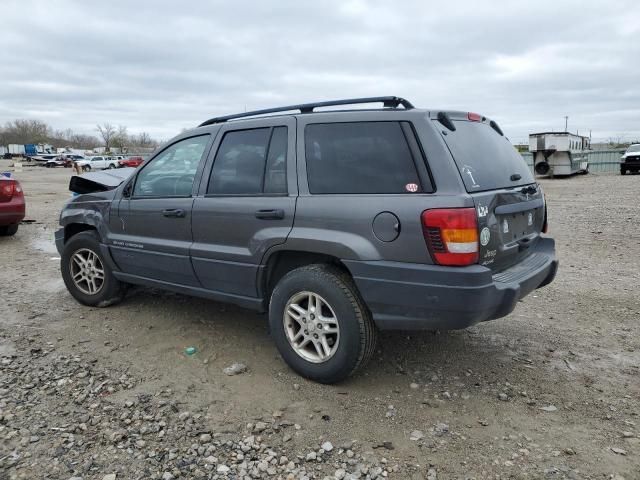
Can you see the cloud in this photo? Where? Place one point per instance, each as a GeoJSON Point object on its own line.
{"type": "Point", "coordinates": [161, 66]}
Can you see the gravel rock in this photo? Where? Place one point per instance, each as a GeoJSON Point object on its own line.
{"type": "Point", "coordinates": [235, 369]}
{"type": "Point", "coordinates": [327, 446]}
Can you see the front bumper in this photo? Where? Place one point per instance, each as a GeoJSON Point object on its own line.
{"type": "Point", "coordinates": [59, 239]}
{"type": "Point", "coordinates": [405, 296]}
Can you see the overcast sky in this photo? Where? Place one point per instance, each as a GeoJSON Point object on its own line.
{"type": "Point", "coordinates": [161, 66]}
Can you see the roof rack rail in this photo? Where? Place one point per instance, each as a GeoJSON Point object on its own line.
{"type": "Point", "coordinates": [388, 102]}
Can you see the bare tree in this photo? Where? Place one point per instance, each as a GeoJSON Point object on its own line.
{"type": "Point", "coordinates": [25, 131]}
{"type": "Point", "coordinates": [121, 138]}
{"type": "Point", "coordinates": [107, 132]}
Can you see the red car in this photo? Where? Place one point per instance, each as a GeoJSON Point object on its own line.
{"type": "Point", "coordinates": [131, 162]}
{"type": "Point", "coordinates": [12, 205]}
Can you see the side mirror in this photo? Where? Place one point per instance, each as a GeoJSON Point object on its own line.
{"type": "Point", "coordinates": [128, 189]}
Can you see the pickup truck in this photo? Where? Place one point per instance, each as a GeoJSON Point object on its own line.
{"type": "Point", "coordinates": [97, 163]}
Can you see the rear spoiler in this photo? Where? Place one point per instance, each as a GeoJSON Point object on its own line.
{"type": "Point", "coordinates": [99, 181]}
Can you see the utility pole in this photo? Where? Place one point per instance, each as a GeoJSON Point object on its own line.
{"type": "Point", "coordinates": [566, 122]}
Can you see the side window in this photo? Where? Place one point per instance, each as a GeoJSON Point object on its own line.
{"type": "Point", "coordinates": [359, 157]}
{"type": "Point", "coordinates": [275, 178]}
{"type": "Point", "coordinates": [250, 162]}
{"type": "Point", "coordinates": [173, 171]}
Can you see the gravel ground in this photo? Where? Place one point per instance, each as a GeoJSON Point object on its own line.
{"type": "Point", "coordinates": [552, 391]}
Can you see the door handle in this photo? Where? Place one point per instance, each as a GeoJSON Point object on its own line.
{"type": "Point", "coordinates": [173, 212]}
{"type": "Point", "coordinates": [275, 214]}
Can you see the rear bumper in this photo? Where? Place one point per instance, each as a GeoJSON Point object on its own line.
{"type": "Point", "coordinates": [404, 296]}
{"type": "Point", "coordinates": [12, 212]}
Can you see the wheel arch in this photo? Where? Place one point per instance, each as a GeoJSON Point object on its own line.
{"type": "Point", "coordinates": [280, 262]}
{"type": "Point", "coordinates": [72, 229]}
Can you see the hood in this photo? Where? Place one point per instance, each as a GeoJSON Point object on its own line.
{"type": "Point", "coordinates": [99, 181]}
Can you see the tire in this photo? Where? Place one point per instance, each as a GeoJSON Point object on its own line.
{"type": "Point", "coordinates": [109, 292]}
{"type": "Point", "coordinates": [623, 171]}
{"type": "Point", "coordinates": [355, 342]}
{"type": "Point", "coordinates": [111, 166]}
{"type": "Point", "coordinates": [86, 168]}
{"type": "Point", "coordinates": [9, 230]}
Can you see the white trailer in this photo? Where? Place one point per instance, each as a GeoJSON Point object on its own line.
{"type": "Point", "coordinates": [559, 153]}
{"type": "Point", "coordinates": [3, 150]}
{"type": "Point", "coordinates": [15, 149]}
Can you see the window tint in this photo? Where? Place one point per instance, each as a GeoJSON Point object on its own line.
{"type": "Point", "coordinates": [359, 157]}
{"type": "Point", "coordinates": [275, 180]}
{"type": "Point", "coordinates": [250, 162]}
{"type": "Point", "coordinates": [486, 160]}
{"type": "Point", "coordinates": [172, 172]}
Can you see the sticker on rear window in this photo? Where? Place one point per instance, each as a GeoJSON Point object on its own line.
{"type": "Point", "coordinates": [411, 187]}
{"type": "Point", "coordinates": [467, 170]}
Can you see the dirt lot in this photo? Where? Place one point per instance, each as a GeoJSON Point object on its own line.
{"type": "Point", "coordinates": [552, 391]}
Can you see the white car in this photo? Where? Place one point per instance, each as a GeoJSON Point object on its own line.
{"type": "Point", "coordinates": [97, 163]}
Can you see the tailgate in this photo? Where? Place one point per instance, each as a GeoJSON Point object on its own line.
{"type": "Point", "coordinates": [509, 204]}
{"type": "Point", "coordinates": [509, 223]}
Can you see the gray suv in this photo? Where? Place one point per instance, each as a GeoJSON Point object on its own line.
{"type": "Point", "coordinates": [337, 223]}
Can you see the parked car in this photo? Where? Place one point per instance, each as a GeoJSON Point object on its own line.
{"type": "Point", "coordinates": [98, 162]}
{"type": "Point", "coordinates": [630, 161]}
{"type": "Point", "coordinates": [134, 162]}
{"type": "Point", "coordinates": [336, 223]}
{"type": "Point", "coordinates": [12, 205]}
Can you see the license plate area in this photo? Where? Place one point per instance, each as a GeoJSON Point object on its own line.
{"type": "Point", "coordinates": [516, 226]}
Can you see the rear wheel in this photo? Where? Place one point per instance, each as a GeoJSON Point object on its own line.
{"type": "Point", "coordinates": [86, 168]}
{"type": "Point", "coordinates": [320, 324]}
{"type": "Point", "coordinates": [111, 166]}
{"type": "Point", "coordinates": [623, 171]}
{"type": "Point", "coordinates": [86, 275]}
{"type": "Point", "coordinates": [9, 230]}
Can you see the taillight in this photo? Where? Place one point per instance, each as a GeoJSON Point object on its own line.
{"type": "Point", "coordinates": [7, 189]}
{"type": "Point", "coordinates": [451, 235]}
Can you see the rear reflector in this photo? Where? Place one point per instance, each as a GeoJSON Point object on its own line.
{"type": "Point", "coordinates": [451, 235]}
{"type": "Point", "coordinates": [474, 117]}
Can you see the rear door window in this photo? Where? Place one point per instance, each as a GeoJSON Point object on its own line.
{"type": "Point", "coordinates": [250, 162]}
{"type": "Point", "coordinates": [359, 158]}
{"type": "Point", "coordinates": [486, 160]}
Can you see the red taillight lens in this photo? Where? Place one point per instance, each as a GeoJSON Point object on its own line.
{"type": "Point", "coordinates": [451, 235]}
{"type": "Point", "coordinates": [474, 117]}
{"type": "Point", "coordinates": [8, 189]}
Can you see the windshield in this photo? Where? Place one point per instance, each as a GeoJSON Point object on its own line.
{"type": "Point", "coordinates": [486, 159]}
{"type": "Point", "coordinates": [633, 148]}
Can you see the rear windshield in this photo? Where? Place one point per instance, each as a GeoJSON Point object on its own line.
{"type": "Point", "coordinates": [486, 159]}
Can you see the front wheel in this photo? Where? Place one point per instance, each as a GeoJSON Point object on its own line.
{"type": "Point", "coordinates": [623, 171]}
{"type": "Point", "coordinates": [85, 273]}
{"type": "Point", "coordinates": [111, 166]}
{"type": "Point", "coordinates": [86, 168]}
{"type": "Point", "coordinates": [320, 324]}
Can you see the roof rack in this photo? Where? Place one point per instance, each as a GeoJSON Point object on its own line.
{"type": "Point", "coordinates": [388, 102]}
